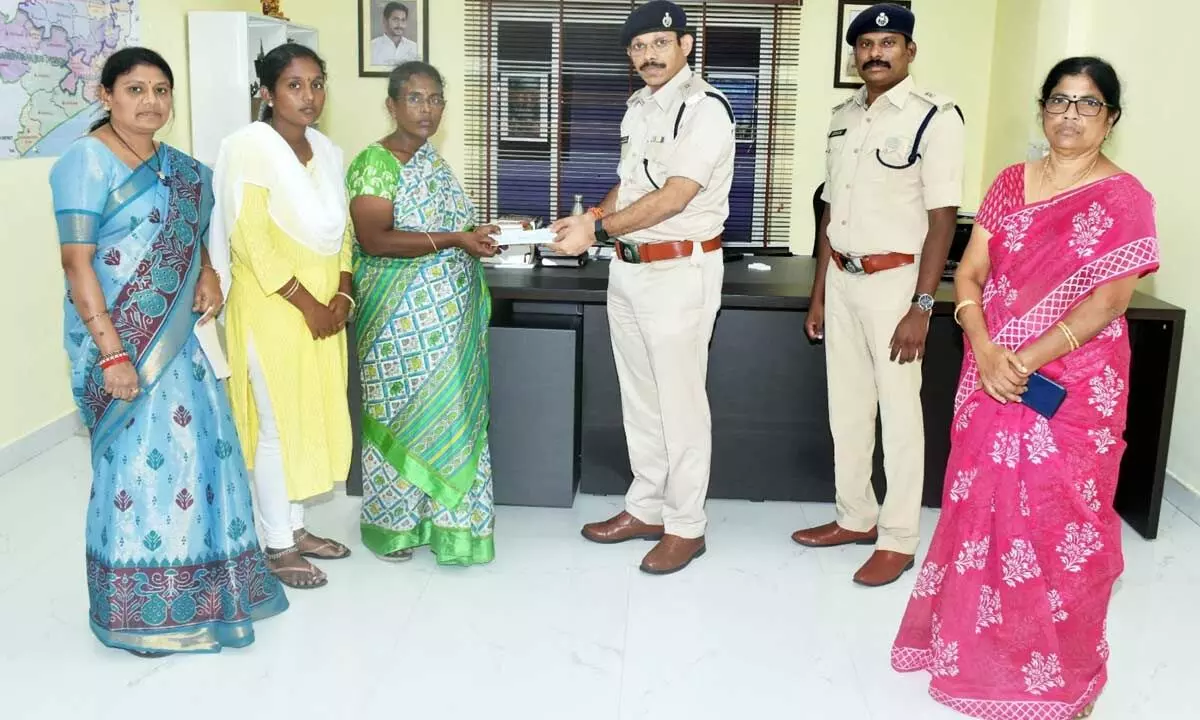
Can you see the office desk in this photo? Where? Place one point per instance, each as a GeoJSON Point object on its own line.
{"type": "Point", "coordinates": [767, 390]}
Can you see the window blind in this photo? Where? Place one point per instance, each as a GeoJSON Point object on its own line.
{"type": "Point", "coordinates": [546, 88]}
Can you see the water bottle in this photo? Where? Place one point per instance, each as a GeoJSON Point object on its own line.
{"type": "Point", "coordinates": [578, 208]}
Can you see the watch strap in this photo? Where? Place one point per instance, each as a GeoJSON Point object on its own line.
{"type": "Point", "coordinates": [601, 234]}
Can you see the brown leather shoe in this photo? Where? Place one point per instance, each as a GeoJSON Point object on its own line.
{"type": "Point", "coordinates": [832, 535]}
{"type": "Point", "coordinates": [620, 528]}
{"type": "Point", "coordinates": [884, 568]}
{"type": "Point", "coordinates": [672, 554]}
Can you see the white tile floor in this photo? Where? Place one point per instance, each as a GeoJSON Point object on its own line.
{"type": "Point", "coordinates": [556, 628]}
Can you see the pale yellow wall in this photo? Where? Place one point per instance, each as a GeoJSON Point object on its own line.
{"type": "Point", "coordinates": [1012, 111]}
{"type": "Point", "coordinates": [33, 369]}
{"type": "Point", "coordinates": [1153, 142]}
{"type": "Point", "coordinates": [33, 372]}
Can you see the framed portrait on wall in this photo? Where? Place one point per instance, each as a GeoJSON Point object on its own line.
{"type": "Point", "coordinates": [391, 32]}
{"type": "Point", "coordinates": [845, 75]}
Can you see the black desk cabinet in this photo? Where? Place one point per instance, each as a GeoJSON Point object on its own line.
{"type": "Point", "coordinates": [767, 391]}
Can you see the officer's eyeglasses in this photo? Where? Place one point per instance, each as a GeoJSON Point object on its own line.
{"type": "Point", "coordinates": [414, 99]}
{"type": "Point", "coordinates": [659, 44]}
{"type": "Point", "coordinates": [1085, 106]}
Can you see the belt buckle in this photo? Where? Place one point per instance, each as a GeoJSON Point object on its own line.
{"type": "Point", "coordinates": [629, 252]}
{"type": "Point", "coordinates": [854, 266]}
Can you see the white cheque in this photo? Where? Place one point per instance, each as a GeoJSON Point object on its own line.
{"type": "Point", "coordinates": [541, 236]}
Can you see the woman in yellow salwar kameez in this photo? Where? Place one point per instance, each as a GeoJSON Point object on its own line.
{"type": "Point", "coordinates": [284, 251]}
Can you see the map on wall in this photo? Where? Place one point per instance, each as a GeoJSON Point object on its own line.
{"type": "Point", "coordinates": [51, 54]}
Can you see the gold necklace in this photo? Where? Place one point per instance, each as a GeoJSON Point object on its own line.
{"type": "Point", "coordinates": [1045, 179]}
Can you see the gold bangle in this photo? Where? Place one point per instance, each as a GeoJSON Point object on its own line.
{"type": "Point", "coordinates": [291, 289]}
{"type": "Point", "coordinates": [960, 306]}
{"type": "Point", "coordinates": [352, 303]}
{"type": "Point", "coordinates": [1074, 340]}
{"type": "Point", "coordinates": [1066, 331]}
{"type": "Point", "coordinates": [431, 242]}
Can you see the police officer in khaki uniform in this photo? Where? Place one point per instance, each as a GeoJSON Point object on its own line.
{"type": "Point", "coordinates": [666, 215]}
{"type": "Point", "coordinates": [893, 183]}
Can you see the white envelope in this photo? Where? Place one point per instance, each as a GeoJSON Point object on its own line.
{"type": "Point", "coordinates": [210, 343]}
{"type": "Point", "coordinates": [541, 236]}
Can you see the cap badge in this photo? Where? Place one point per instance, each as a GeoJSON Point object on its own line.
{"type": "Point", "coordinates": [882, 20]}
{"type": "Point", "coordinates": [667, 20]}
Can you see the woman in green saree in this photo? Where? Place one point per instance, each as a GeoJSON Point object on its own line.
{"type": "Point", "coordinates": [422, 323]}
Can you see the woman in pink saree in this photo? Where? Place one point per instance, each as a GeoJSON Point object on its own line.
{"type": "Point", "coordinates": [1008, 611]}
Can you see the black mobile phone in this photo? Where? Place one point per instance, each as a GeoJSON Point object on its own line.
{"type": "Point", "coordinates": [1043, 395]}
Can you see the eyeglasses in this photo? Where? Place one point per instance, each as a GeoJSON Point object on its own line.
{"type": "Point", "coordinates": [1085, 106]}
{"type": "Point", "coordinates": [659, 44]}
{"type": "Point", "coordinates": [414, 99]}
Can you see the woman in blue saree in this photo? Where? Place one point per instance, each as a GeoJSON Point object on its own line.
{"type": "Point", "coordinates": [173, 561]}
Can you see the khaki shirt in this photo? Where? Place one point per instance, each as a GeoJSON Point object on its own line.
{"type": "Point", "coordinates": [876, 209]}
{"type": "Point", "coordinates": [702, 151]}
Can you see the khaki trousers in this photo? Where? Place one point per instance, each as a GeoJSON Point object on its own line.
{"type": "Point", "coordinates": [861, 314]}
{"type": "Point", "coordinates": [661, 318]}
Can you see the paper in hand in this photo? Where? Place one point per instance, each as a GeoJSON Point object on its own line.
{"type": "Point", "coordinates": [210, 343]}
{"type": "Point", "coordinates": [541, 236]}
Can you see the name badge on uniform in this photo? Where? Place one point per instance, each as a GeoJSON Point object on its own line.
{"type": "Point", "coordinates": [657, 139]}
{"type": "Point", "coordinates": [837, 133]}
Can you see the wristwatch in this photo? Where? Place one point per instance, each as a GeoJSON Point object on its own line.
{"type": "Point", "coordinates": [601, 234]}
{"type": "Point", "coordinates": [924, 301]}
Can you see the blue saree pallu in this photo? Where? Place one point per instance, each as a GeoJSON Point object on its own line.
{"type": "Point", "coordinates": [173, 561]}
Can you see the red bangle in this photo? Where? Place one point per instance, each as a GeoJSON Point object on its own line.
{"type": "Point", "coordinates": [112, 360]}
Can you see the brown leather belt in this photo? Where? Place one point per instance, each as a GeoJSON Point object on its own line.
{"type": "Point", "coordinates": [867, 264]}
{"type": "Point", "coordinates": [654, 252]}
